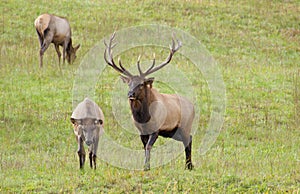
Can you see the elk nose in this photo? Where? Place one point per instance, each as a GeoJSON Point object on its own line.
{"type": "Point", "coordinates": [89, 143]}
{"type": "Point", "coordinates": [131, 94]}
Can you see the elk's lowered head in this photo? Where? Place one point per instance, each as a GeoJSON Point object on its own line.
{"type": "Point", "coordinates": [138, 84]}
{"type": "Point", "coordinates": [71, 52]}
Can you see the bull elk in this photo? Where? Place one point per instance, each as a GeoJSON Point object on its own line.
{"type": "Point", "coordinates": [87, 119]}
{"type": "Point", "coordinates": [56, 30]}
{"type": "Point", "coordinates": [148, 106]}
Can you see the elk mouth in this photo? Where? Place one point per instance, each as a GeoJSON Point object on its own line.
{"type": "Point", "coordinates": [132, 98]}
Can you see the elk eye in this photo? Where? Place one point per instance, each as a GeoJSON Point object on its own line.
{"type": "Point", "coordinates": [141, 86]}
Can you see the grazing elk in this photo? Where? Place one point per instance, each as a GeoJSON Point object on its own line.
{"type": "Point", "coordinates": [56, 30]}
{"type": "Point", "coordinates": [87, 119]}
{"type": "Point", "coordinates": [155, 114]}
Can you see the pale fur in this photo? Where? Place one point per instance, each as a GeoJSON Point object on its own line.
{"type": "Point", "coordinates": [42, 22]}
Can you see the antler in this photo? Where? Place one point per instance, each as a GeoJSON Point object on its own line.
{"type": "Point", "coordinates": [151, 69]}
{"type": "Point", "coordinates": [110, 61]}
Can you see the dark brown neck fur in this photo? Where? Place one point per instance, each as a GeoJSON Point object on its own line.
{"type": "Point", "coordinates": [140, 106]}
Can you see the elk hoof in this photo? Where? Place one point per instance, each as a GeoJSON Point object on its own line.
{"type": "Point", "coordinates": [147, 167]}
{"type": "Point", "coordinates": [189, 166]}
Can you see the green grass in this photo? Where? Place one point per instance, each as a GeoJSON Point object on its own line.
{"type": "Point", "coordinates": [256, 45]}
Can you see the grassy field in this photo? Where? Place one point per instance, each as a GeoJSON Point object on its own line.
{"type": "Point", "coordinates": [256, 45]}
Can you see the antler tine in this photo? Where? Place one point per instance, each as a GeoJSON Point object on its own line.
{"type": "Point", "coordinates": [179, 44]}
{"type": "Point", "coordinates": [153, 63]}
{"type": "Point", "coordinates": [139, 67]}
{"type": "Point", "coordinates": [124, 70]}
{"type": "Point", "coordinates": [173, 49]}
{"type": "Point", "coordinates": [110, 61]}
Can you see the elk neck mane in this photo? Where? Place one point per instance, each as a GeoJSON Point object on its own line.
{"type": "Point", "coordinates": [140, 106]}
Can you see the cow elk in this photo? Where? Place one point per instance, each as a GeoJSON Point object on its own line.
{"type": "Point", "coordinates": [148, 106]}
{"type": "Point", "coordinates": [87, 119]}
{"type": "Point", "coordinates": [56, 30]}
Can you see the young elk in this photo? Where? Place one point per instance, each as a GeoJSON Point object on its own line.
{"type": "Point", "coordinates": [56, 30]}
{"type": "Point", "coordinates": [87, 119]}
{"type": "Point", "coordinates": [148, 106]}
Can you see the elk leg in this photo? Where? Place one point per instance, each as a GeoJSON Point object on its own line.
{"type": "Point", "coordinates": [188, 154]}
{"type": "Point", "coordinates": [92, 153]}
{"type": "Point", "coordinates": [47, 41]}
{"type": "Point", "coordinates": [40, 38]}
{"type": "Point", "coordinates": [144, 139]}
{"type": "Point", "coordinates": [91, 159]}
{"type": "Point", "coordinates": [58, 52]}
{"type": "Point", "coordinates": [44, 47]}
{"type": "Point", "coordinates": [81, 152]}
{"type": "Point", "coordinates": [64, 55]}
{"type": "Point", "coordinates": [94, 159]}
{"type": "Point", "coordinates": [65, 47]}
{"type": "Point", "coordinates": [152, 138]}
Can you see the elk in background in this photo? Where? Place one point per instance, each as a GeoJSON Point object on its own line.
{"type": "Point", "coordinates": [155, 114]}
{"type": "Point", "coordinates": [56, 30]}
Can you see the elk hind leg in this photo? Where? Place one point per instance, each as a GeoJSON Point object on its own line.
{"type": "Point", "coordinates": [187, 142]}
{"type": "Point", "coordinates": [48, 36]}
{"type": "Point", "coordinates": [188, 153]}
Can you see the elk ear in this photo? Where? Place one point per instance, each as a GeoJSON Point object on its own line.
{"type": "Point", "coordinates": [72, 120]}
{"type": "Point", "coordinates": [149, 81]}
{"type": "Point", "coordinates": [125, 79]}
{"type": "Point", "coordinates": [77, 47]}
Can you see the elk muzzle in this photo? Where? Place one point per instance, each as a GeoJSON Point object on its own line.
{"type": "Point", "coordinates": [89, 142]}
{"type": "Point", "coordinates": [131, 95]}
{"type": "Point", "coordinates": [90, 132]}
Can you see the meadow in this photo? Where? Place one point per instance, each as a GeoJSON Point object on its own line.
{"type": "Point", "coordinates": [256, 45]}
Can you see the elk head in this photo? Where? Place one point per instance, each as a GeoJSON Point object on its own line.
{"type": "Point", "coordinates": [71, 52]}
{"type": "Point", "coordinates": [138, 84]}
{"type": "Point", "coordinates": [87, 129]}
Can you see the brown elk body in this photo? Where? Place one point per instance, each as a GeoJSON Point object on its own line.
{"type": "Point", "coordinates": [56, 30]}
{"type": "Point", "coordinates": [87, 119]}
{"type": "Point", "coordinates": [156, 114]}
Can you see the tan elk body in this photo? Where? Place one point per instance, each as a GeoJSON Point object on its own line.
{"type": "Point", "coordinates": [87, 119]}
{"type": "Point", "coordinates": [156, 114]}
{"type": "Point", "coordinates": [56, 30]}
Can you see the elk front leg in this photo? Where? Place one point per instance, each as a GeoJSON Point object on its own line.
{"type": "Point", "coordinates": [81, 152]}
{"type": "Point", "coordinates": [65, 48]}
{"type": "Point", "coordinates": [152, 138]}
{"type": "Point", "coordinates": [92, 157]}
{"type": "Point", "coordinates": [92, 153]}
{"type": "Point", "coordinates": [144, 139]}
{"type": "Point", "coordinates": [58, 52]}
